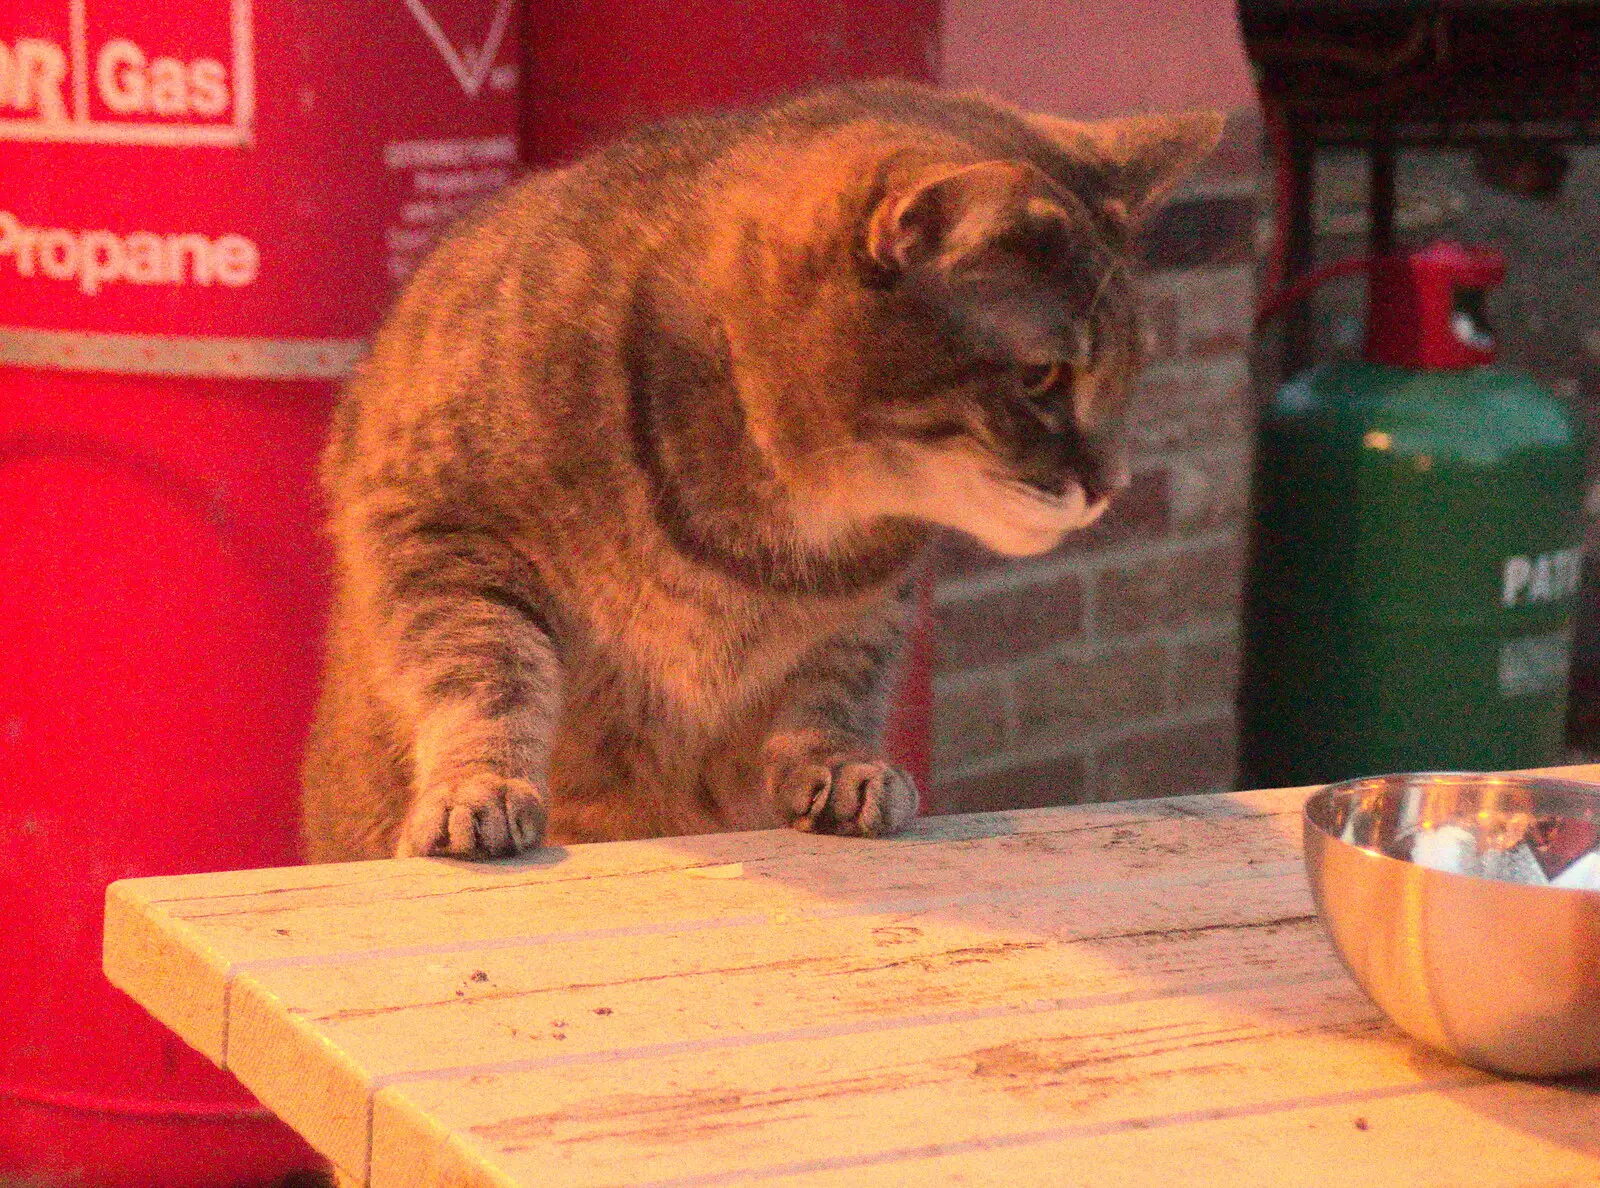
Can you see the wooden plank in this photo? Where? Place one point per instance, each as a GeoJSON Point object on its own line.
{"type": "Point", "coordinates": [414, 1018]}
{"type": "Point", "coordinates": [303, 1078]}
{"type": "Point", "coordinates": [396, 1011]}
{"type": "Point", "coordinates": [253, 929]}
{"type": "Point", "coordinates": [1489, 1135]}
{"type": "Point", "coordinates": [498, 904]}
{"type": "Point", "coordinates": [467, 1004]}
{"type": "Point", "coordinates": [173, 941]}
{"type": "Point", "coordinates": [326, 883]}
{"type": "Point", "coordinates": [1018, 1091]}
{"type": "Point", "coordinates": [168, 967]}
{"type": "Point", "coordinates": [989, 923]}
{"type": "Point", "coordinates": [234, 911]}
{"type": "Point", "coordinates": [336, 982]}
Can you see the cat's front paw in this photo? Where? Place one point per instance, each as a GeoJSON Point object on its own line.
{"type": "Point", "coordinates": [479, 816]}
{"type": "Point", "coordinates": [852, 794]}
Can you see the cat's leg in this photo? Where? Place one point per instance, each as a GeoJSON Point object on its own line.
{"type": "Point", "coordinates": [467, 659]}
{"type": "Point", "coordinates": [822, 760]}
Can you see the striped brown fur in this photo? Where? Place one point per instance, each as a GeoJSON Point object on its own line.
{"type": "Point", "coordinates": [629, 496]}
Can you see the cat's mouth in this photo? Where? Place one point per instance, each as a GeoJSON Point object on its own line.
{"type": "Point", "coordinates": [954, 489]}
{"type": "Point", "coordinates": [1069, 492]}
{"type": "Point", "coordinates": [1076, 505]}
{"type": "Point", "coordinates": [1073, 495]}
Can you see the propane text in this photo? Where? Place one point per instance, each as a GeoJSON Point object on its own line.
{"type": "Point", "coordinates": [95, 259]}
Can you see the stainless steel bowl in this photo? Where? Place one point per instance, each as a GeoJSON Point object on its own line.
{"type": "Point", "coordinates": [1490, 966]}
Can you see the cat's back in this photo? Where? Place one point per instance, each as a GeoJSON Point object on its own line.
{"type": "Point", "coordinates": [660, 181]}
{"type": "Point", "coordinates": [606, 206]}
{"type": "Point", "coordinates": [531, 293]}
{"type": "Point", "coordinates": [558, 237]}
{"type": "Point", "coordinates": [535, 272]}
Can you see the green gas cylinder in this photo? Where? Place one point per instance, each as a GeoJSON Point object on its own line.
{"type": "Point", "coordinates": [1415, 556]}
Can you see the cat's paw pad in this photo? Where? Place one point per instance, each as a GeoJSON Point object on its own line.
{"type": "Point", "coordinates": [481, 816]}
{"type": "Point", "coordinates": [848, 794]}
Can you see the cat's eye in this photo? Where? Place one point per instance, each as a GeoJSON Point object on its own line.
{"type": "Point", "coordinates": [1038, 379]}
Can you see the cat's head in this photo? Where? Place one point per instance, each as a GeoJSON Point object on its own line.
{"type": "Point", "coordinates": [982, 360]}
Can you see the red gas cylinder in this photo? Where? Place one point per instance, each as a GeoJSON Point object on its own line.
{"type": "Point", "coordinates": [207, 205]}
{"type": "Point", "coordinates": [597, 69]}
{"type": "Point", "coordinates": [600, 67]}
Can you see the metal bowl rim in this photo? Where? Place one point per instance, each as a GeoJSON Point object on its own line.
{"type": "Point", "coordinates": [1316, 805]}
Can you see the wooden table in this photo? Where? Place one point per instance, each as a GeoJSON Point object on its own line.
{"type": "Point", "coordinates": [1117, 994]}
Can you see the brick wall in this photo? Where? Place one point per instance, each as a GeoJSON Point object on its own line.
{"type": "Point", "coordinates": [1107, 668]}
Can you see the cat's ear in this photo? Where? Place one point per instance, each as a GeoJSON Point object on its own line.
{"type": "Point", "coordinates": [955, 218]}
{"type": "Point", "coordinates": [949, 215]}
{"type": "Point", "coordinates": [997, 244]}
{"type": "Point", "coordinates": [1143, 157]}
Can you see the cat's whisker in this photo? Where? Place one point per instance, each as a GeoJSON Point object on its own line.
{"type": "Point", "coordinates": [848, 447]}
{"type": "Point", "coordinates": [1116, 266]}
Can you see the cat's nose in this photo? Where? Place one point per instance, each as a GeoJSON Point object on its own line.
{"type": "Point", "coordinates": [1107, 476]}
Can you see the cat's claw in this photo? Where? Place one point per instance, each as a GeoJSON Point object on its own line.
{"type": "Point", "coordinates": [483, 816]}
{"type": "Point", "coordinates": [850, 795]}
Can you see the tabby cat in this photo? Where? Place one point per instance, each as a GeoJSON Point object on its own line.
{"type": "Point", "coordinates": [629, 496]}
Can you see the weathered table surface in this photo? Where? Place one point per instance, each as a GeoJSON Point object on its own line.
{"type": "Point", "coordinates": [1134, 993]}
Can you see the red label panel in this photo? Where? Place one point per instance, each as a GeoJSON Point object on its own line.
{"type": "Point", "coordinates": [233, 168]}
{"type": "Point", "coordinates": [124, 72]}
